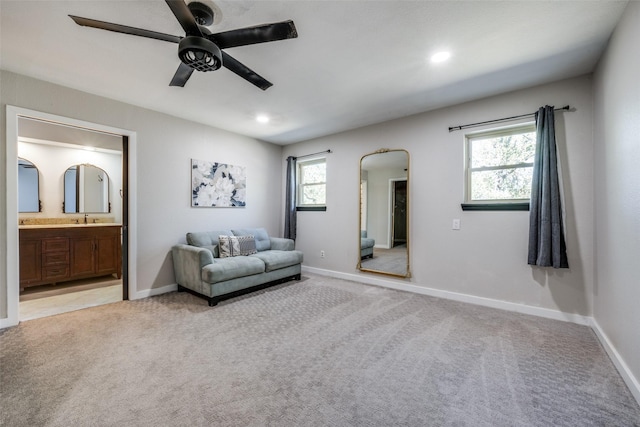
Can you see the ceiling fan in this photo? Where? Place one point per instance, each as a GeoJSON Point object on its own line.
{"type": "Point", "coordinates": [200, 49]}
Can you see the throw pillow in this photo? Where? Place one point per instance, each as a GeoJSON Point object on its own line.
{"type": "Point", "coordinates": [247, 245]}
{"type": "Point", "coordinates": [229, 246]}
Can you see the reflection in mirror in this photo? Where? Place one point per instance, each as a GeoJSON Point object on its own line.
{"type": "Point", "coordinates": [28, 187]}
{"type": "Point", "coordinates": [384, 213]}
{"type": "Point", "coordinates": [86, 190]}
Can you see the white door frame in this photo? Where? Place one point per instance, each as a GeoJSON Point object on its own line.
{"type": "Point", "coordinates": [12, 302]}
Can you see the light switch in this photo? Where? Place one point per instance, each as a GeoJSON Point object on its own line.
{"type": "Point", "coordinates": [456, 224]}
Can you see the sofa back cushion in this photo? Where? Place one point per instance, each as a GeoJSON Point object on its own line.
{"type": "Point", "coordinates": [207, 239]}
{"type": "Point", "coordinates": [263, 243]}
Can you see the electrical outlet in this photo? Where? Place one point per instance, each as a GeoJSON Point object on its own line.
{"type": "Point", "coordinates": [321, 254]}
{"type": "Point", "coordinates": [456, 224]}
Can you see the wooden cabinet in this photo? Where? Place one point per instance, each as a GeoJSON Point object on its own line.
{"type": "Point", "coordinates": [30, 261]}
{"type": "Point", "coordinates": [55, 258]}
{"type": "Point", "coordinates": [59, 254]}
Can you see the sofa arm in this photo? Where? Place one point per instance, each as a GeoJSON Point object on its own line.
{"type": "Point", "coordinates": [188, 262]}
{"type": "Point", "coordinates": [280, 244]}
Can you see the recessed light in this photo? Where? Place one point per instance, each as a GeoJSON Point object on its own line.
{"type": "Point", "coordinates": [262, 118]}
{"type": "Point", "coordinates": [440, 56]}
{"type": "Point", "coordinates": [87, 148]}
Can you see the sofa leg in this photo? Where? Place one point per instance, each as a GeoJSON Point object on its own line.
{"type": "Point", "coordinates": [213, 302]}
{"type": "Point", "coordinates": [298, 276]}
{"type": "Point", "coordinates": [180, 288]}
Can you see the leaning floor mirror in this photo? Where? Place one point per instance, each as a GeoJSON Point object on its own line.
{"type": "Point", "coordinates": [384, 213]}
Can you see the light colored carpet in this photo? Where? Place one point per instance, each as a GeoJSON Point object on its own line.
{"type": "Point", "coordinates": [320, 352]}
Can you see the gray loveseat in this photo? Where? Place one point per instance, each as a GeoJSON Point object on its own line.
{"type": "Point", "coordinates": [366, 245]}
{"type": "Point", "coordinates": [200, 269]}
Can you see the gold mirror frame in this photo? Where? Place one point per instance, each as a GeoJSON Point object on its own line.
{"type": "Point", "coordinates": [388, 160]}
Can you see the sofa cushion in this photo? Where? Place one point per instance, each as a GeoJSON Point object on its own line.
{"type": "Point", "coordinates": [275, 260]}
{"type": "Point", "coordinates": [231, 268]}
{"type": "Point", "coordinates": [366, 242]}
{"type": "Point", "coordinates": [214, 250]}
{"type": "Point", "coordinates": [207, 239]}
{"type": "Point", "coordinates": [263, 243]}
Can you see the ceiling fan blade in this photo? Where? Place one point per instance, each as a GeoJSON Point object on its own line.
{"type": "Point", "coordinates": [184, 17]}
{"type": "Point", "coordinates": [245, 72]}
{"type": "Point", "coordinates": [182, 75]}
{"type": "Point", "coordinates": [252, 35]}
{"type": "Point", "coordinates": [86, 22]}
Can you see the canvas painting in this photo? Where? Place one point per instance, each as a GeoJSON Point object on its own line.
{"type": "Point", "coordinates": [217, 184]}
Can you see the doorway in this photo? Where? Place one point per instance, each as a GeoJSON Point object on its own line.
{"type": "Point", "coordinates": [127, 140]}
{"type": "Point", "coordinates": [399, 213]}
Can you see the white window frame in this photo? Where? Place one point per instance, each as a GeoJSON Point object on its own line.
{"type": "Point", "coordinates": [300, 185]}
{"type": "Point", "coordinates": [504, 131]}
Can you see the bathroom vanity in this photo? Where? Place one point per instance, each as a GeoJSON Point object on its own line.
{"type": "Point", "coordinates": [58, 253]}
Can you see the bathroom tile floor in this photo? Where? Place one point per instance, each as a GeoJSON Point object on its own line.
{"type": "Point", "coordinates": [53, 300]}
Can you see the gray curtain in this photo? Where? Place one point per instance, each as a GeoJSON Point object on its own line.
{"type": "Point", "coordinates": [547, 246]}
{"type": "Point", "coordinates": [290, 218]}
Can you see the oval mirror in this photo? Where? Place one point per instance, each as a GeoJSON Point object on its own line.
{"type": "Point", "coordinates": [384, 213]}
{"type": "Point", "coordinates": [28, 187]}
{"type": "Point", "coordinates": [86, 190]}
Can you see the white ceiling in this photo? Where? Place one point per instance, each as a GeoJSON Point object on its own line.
{"type": "Point", "coordinates": [354, 63]}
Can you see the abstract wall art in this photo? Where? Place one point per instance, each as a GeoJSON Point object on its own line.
{"type": "Point", "coordinates": [217, 184]}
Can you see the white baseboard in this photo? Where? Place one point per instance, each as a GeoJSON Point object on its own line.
{"type": "Point", "coordinates": [401, 285]}
{"type": "Point", "coordinates": [154, 291]}
{"type": "Point", "coordinates": [626, 374]}
{"type": "Point", "coordinates": [6, 323]}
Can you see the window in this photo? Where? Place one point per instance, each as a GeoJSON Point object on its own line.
{"type": "Point", "coordinates": [312, 184]}
{"type": "Point", "coordinates": [499, 167]}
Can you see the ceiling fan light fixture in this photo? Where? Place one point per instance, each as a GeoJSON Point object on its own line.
{"type": "Point", "coordinates": [200, 53]}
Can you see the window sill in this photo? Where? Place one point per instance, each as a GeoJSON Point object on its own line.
{"type": "Point", "coordinates": [495, 206]}
{"type": "Point", "coordinates": [311, 208]}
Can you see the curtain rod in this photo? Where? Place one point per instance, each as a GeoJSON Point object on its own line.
{"type": "Point", "coordinates": [314, 154]}
{"type": "Point", "coordinates": [454, 128]}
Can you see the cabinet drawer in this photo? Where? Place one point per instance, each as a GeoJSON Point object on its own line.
{"type": "Point", "coordinates": [55, 258]}
{"type": "Point", "coordinates": [57, 244]}
{"type": "Point", "coordinates": [55, 272]}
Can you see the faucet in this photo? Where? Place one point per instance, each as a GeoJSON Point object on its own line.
{"type": "Point", "coordinates": [85, 218]}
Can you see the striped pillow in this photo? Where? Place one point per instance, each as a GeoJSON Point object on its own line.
{"type": "Point", "coordinates": [247, 245]}
{"type": "Point", "coordinates": [231, 246]}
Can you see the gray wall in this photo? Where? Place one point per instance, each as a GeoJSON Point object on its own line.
{"type": "Point", "coordinates": [488, 256]}
{"type": "Point", "coordinates": [165, 146]}
{"type": "Point", "coordinates": [617, 190]}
